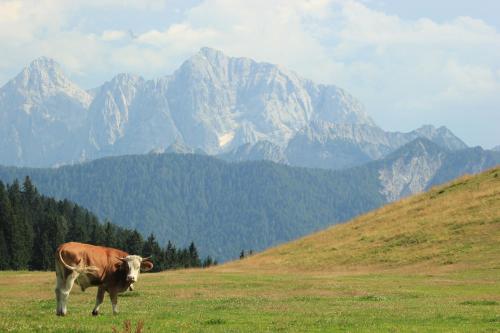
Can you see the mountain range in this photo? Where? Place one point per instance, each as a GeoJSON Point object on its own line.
{"type": "Point", "coordinates": [153, 154]}
{"type": "Point", "coordinates": [234, 108]}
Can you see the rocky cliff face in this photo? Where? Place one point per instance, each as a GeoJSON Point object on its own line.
{"type": "Point", "coordinates": [337, 146]}
{"type": "Point", "coordinates": [235, 108]}
{"type": "Point", "coordinates": [219, 103]}
{"type": "Point", "coordinates": [42, 117]}
{"type": "Point", "coordinates": [421, 164]}
{"type": "Point", "coordinates": [410, 170]}
{"type": "Point", "coordinates": [262, 150]}
{"type": "Point", "coordinates": [212, 102]}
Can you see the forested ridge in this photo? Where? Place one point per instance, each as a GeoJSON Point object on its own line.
{"type": "Point", "coordinates": [32, 226]}
{"type": "Point", "coordinates": [223, 207]}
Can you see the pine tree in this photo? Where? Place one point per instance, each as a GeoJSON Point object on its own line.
{"type": "Point", "coordinates": [242, 254]}
{"type": "Point", "coordinates": [76, 226]}
{"type": "Point", "coordinates": [96, 233]}
{"type": "Point", "coordinates": [152, 249]}
{"type": "Point", "coordinates": [29, 193]}
{"type": "Point", "coordinates": [109, 235]}
{"type": "Point", "coordinates": [5, 220]}
{"type": "Point", "coordinates": [171, 260]}
{"type": "Point", "coordinates": [207, 262]}
{"type": "Point", "coordinates": [184, 258]}
{"type": "Point", "coordinates": [134, 243]}
{"type": "Point", "coordinates": [21, 231]}
{"type": "Point", "coordinates": [194, 259]}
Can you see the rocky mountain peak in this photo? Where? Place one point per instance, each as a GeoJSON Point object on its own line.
{"type": "Point", "coordinates": [211, 53]}
{"type": "Point", "coordinates": [42, 79]}
{"type": "Point", "coordinates": [124, 79]}
{"type": "Point", "coordinates": [418, 147]}
{"type": "Point", "coordinates": [41, 74]}
{"type": "Point", "coordinates": [442, 136]}
{"type": "Point", "coordinates": [213, 102]}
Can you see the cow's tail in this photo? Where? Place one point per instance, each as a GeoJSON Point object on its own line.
{"type": "Point", "coordinates": [80, 268]}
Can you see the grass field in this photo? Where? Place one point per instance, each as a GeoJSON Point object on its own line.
{"type": "Point", "coordinates": [210, 301]}
{"type": "Point", "coordinates": [430, 263]}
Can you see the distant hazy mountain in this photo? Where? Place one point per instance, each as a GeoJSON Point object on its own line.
{"type": "Point", "coordinates": [42, 117]}
{"type": "Point", "coordinates": [336, 146]}
{"type": "Point", "coordinates": [212, 102]}
{"type": "Point", "coordinates": [225, 207]}
{"type": "Point", "coordinates": [236, 108]}
{"type": "Point", "coordinates": [421, 164]}
{"type": "Point", "coordinates": [261, 150]}
{"type": "Point", "coordinates": [496, 148]}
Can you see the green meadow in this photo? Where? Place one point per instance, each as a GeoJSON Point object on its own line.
{"type": "Point", "coordinates": [429, 263]}
{"type": "Point", "coordinates": [211, 301]}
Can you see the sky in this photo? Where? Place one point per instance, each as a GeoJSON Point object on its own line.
{"type": "Point", "coordinates": [409, 62]}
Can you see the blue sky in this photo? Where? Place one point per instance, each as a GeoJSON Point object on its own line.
{"type": "Point", "coordinates": [409, 62]}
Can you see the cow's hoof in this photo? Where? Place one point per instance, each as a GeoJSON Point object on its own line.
{"type": "Point", "coordinates": [95, 313]}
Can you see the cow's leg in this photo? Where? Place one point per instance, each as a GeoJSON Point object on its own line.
{"type": "Point", "coordinates": [98, 300]}
{"type": "Point", "coordinates": [113, 295]}
{"type": "Point", "coordinates": [65, 290]}
{"type": "Point", "coordinates": [59, 286]}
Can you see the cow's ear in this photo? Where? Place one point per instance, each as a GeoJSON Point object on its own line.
{"type": "Point", "coordinates": [146, 266]}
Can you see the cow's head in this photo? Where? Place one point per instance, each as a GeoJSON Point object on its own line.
{"type": "Point", "coordinates": [134, 264]}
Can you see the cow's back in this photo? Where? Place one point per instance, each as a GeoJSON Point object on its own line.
{"type": "Point", "coordinates": [75, 254]}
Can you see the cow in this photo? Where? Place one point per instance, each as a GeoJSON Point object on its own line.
{"type": "Point", "coordinates": [110, 270]}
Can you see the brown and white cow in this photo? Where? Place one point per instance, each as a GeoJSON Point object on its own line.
{"type": "Point", "coordinates": [109, 269]}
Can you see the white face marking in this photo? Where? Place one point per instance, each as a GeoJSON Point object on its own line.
{"type": "Point", "coordinates": [134, 267]}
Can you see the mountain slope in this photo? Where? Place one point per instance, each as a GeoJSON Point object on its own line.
{"type": "Point", "coordinates": [42, 117]}
{"type": "Point", "coordinates": [421, 164]}
{"type": "Point", "coordinates": [225, 207]}
{"type": "Point", "coordinates": [222, 207]}
{"type": "Point", "coordinates": [452, 226]}
{"type": "Point", "coordinates": [336, 146]}
{"type": "Point", "coordinates": [262, 150]}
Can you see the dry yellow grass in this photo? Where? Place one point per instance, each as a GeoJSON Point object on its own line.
{"type": "Point", "coordinates": [455, 226]}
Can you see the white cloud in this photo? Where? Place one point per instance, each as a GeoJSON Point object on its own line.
{"type": "Point", "coordinates": [177, 35]}
{"type": "Point", "coordinates": [10, 11]}
{"type": "Point", "coordinates": [113, 35]}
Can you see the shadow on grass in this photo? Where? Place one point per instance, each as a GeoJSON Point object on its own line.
{"type": "Point", "coordinates": [131, 294]}
{"type": "Point", "coordinates": [216, 321]}
{"type": "Point", "coordinates": [480, 302]}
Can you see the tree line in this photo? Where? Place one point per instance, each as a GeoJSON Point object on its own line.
{"type": "Point", "coordinates": [222, 207]}
{"type": "Point", "coordinates": [32, 226]}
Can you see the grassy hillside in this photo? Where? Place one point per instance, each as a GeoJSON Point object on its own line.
{"type": "Point", "coordinates": [452, 226]}
{"type": "Point", "coordinates": [430, 263]}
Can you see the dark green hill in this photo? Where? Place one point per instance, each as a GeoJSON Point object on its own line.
{"type": "Point", "coordinates": [228, 207]}
{"type": "Point", "coordinates": [32, 226]}
{"type": "Point", "coordinates": [222, 207]}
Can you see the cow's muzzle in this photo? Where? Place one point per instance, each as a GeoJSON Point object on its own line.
{"type": "Point", "coordinates": [131, 279]}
